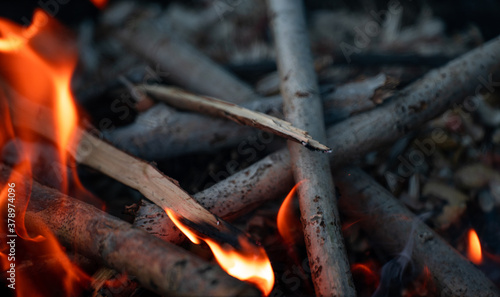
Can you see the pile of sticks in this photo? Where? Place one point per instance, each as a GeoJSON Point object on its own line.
{"type": "Point", "coordinates": [313, 153]}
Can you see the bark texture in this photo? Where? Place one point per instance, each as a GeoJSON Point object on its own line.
{"type": "Point", "coordinates": [302, 105]}
{"type": "Point", "coordinates": [353, 138]}
{"type": "Point", "coordinates": [159, 266]}
{"type": "Point", "coordinates": [390, 223]}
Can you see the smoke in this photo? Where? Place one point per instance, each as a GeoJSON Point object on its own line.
{"type": "Point", "coordinates": [391, 279]}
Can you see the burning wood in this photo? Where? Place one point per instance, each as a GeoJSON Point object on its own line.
{"type": "Point", "coordinates": [212, 106]}
{"type": "Point", "coordinates": [161, 267]}
{"type": "Point", "coordinates": [27, 113]}
{"type": "Point", "coordinates": [356, 136]}
{"type": "Point", "coordinates": [229, 198]}
{"type": "Point", "coordinates": [40, 127]}
{"type": "Point", "coordinates": [302, 105]}
{"type": "Point", "coordinates": [273, 174]}
{"type": "Point", "coordinates": [390, 223]}
{"type": "Point", "coordinates": [140, 175]}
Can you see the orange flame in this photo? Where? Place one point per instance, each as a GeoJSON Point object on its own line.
{"type": "Point", "coordinates": [289, 225]}
{"type": "Point", "coordinates": [37, 65]}
{"type": "Point", "coordinates": [248, 264]}
{"type": "Point", "coordinates": [99, 3]}
{"type": "Point", "coordinates": [474, 252]}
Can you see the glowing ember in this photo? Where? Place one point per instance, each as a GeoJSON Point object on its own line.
{"type": "Point", "coordinates": [366, 270]}
{"type": "Point", "coordinates": [250, 263]}
{"type": "Point", "coordinates": [99, 3]}
{"type": "Point", "coordinates": [288, 223]}
{"type": "Point", "coordinates": [474, 252]}
{"type": "Point", "coordinates": [37, 65]}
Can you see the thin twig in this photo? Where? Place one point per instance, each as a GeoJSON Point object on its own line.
{"type": "Point", "coordinates": [211, 106]}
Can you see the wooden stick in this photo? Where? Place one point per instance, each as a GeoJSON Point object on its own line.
{"type": "Point", "coordinates": [356, 97]}
{"type": "Point", "coordinates": [389, 223]}
{"type": "Point", "coordinates": [270, 84]}
{"type": "Point", "coordinates": [163, 132]}
{"type": "Point", "coordinates": [186, 65]}
{"type": "Point", "coordinates": [158, 266]}
{"type": "Point", "coordinates": [211, 106]}
{"type": "Point", "coordinates": [330, 269]}
{"type": "Point", "coordinates": [140, 175]}
{"type": "Point", "coordinates": [355, 136]}
{"type": "Point", "coordinates": [229, 198]}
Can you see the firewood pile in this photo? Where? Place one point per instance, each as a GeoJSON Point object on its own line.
{"type": "Point", "coordinates": [249, 148]}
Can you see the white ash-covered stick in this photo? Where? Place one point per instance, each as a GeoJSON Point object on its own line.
{"type": "Point", "coordinates": [388, 222]}
{"type": "Point", "coordinates": [326, 251]}
{"type": "Point", "coordinates": [211, 106]}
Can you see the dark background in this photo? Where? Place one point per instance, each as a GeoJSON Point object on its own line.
{"type": "Point", "coordinates": [456, 14]}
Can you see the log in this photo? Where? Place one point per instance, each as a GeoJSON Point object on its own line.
{"type": "Point", "coordinates": [211, 106]}
{"type": "Point", "coordinates": [90, 150]}
{"type": "Point", "coordinates": [330, 270]}
{"type": "Point", "coordinates": [389, 223]}
{"type": "Point", "coordinates": [157, 265]}
{"type": "Point", "coordinates": [353, 138]}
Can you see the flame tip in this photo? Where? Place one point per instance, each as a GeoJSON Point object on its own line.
{"type": "Point", "coordinates": [250, 263]}
{"type": "Point", "coordinates": [474, 251]}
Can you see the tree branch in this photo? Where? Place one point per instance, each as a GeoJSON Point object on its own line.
{"type": "Point", "coordinates": [390, 223]}
{"type": "Point", "coordinates": [319, 214]}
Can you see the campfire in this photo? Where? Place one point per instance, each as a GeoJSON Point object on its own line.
{"type": "Point", "coordinates": [247, 148]}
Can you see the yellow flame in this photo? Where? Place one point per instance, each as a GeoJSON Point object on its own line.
{"type": "Point", "coordinates": [248, 264]}
{"type": "Point", "coordinates": [181, 227]}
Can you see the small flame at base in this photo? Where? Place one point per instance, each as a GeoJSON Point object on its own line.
{"type": "Point", "coordinates": [289, 225]}
{"type": "Point", "coordinates": [474, 252]}
{"type": "Point", "coordinates": [248, 264]}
